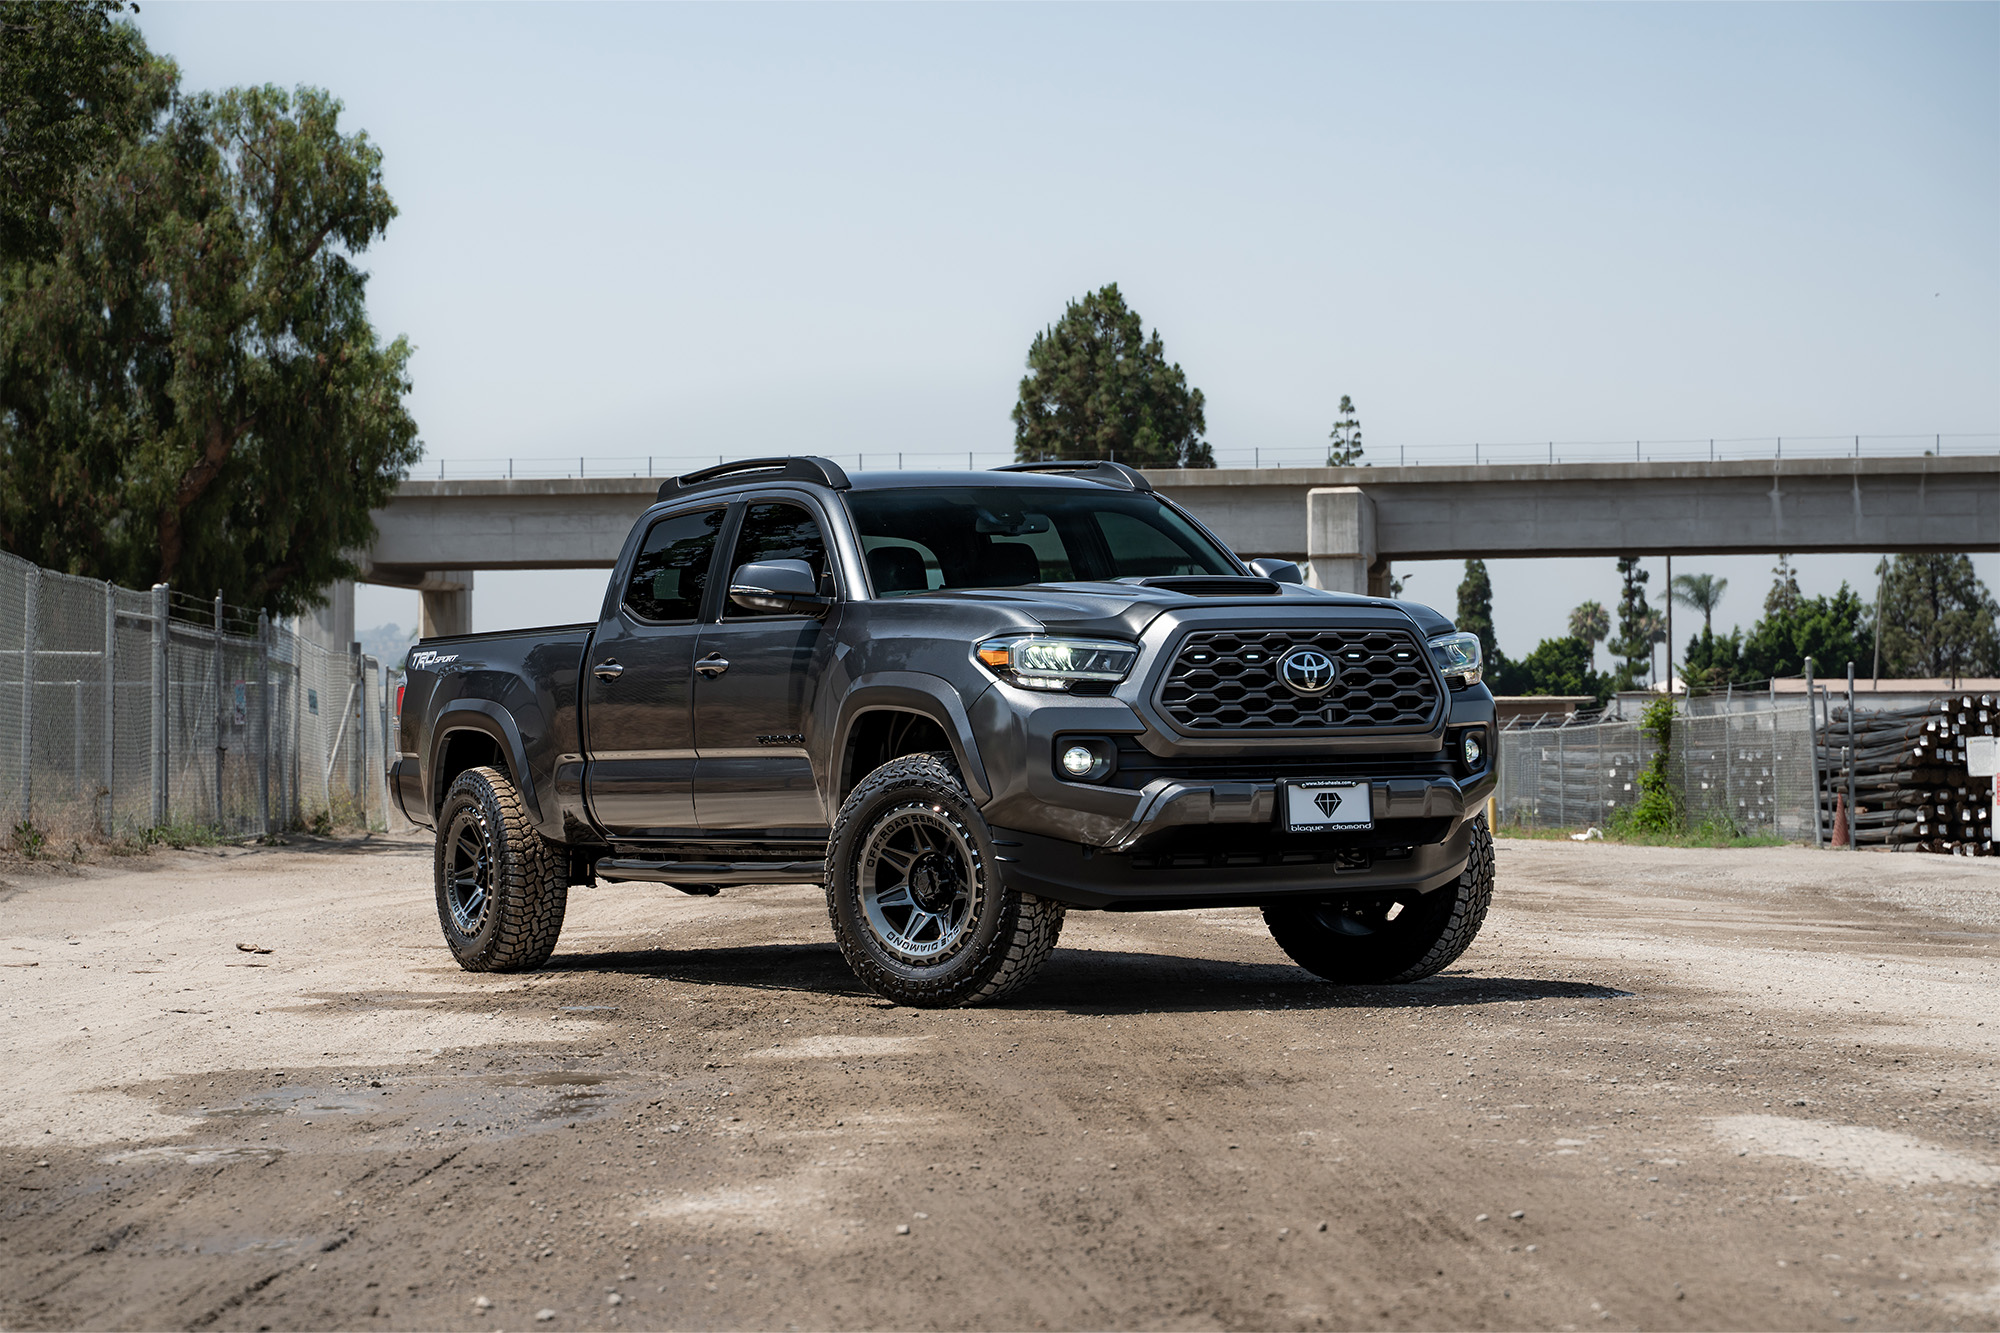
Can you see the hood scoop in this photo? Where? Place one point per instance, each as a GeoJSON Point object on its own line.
{"type": "Point", "coordinates": [1211, 585]}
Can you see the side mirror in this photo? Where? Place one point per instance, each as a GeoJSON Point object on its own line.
{"type": "Point", "coordinates": [1278, 571]}
{"type": "Point", "coordinates": [777, 585]}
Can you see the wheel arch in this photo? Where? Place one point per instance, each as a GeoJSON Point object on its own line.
{"type": "Point", "coordinates": [890, 714]}
{"type": "Point", "coordinates": [470, 733]}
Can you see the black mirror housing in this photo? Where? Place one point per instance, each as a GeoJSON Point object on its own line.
{"type": "Point", "coordinates": [786, 586]}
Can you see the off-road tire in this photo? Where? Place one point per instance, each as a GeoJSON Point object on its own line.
{"type": "Point", "coordinates": [526, 880]}
{"type": "Point", "coordinates": [1006, 936]}
{"type": "Point", "coordinates": [1350, 942]}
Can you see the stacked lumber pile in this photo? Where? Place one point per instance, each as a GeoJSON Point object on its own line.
{"type": "Point", "coordinates": [1911, 790]}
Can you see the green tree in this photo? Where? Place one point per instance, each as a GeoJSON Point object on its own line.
{"type": "Point", "coordinates": [1712, 661]}
{"type": "Point", "coordinates": [1344, 442]}
{"type": "Point", "coordinates": [1784, 594]}
{"type": "Point", "coordinates": [1557, 666]}
{"type": "Point", "coordinates": [190, 389]}
{"type": "Point", "coordinates": [75, 84]}
{"type": "Point", "coordinates": [1833, 631]}
{"type": "Point", "coordinates": [1700, 592]}
{"type": "Point", "coordinates": [1937, 618]}
{"type": "Point", "coordinates": [1098, 387]}
{"type": "Point", "coordinates": [1475, 609]}
{"type": "Point", "coordinates": [1638, 626]}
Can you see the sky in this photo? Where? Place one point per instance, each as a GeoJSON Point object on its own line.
{"type": "Point", "coordinates": [687, 231]}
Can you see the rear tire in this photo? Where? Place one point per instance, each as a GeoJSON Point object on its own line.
{"type": "Point", "coordinates": [915, 896]}
{"type": "Point", "coordinates": [501, 887]}
{"type": "Point", "coordinates": [1394, 936]}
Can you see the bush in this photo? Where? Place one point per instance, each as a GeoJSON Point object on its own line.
{"type": "Point", "coordinates": [1659, 807]}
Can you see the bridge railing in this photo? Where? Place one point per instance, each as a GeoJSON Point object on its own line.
{"type": "Point", "coordinates": [667, 463]}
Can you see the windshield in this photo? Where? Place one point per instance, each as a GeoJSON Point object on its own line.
{"type": "Point", "coordinates": [1003, 536]}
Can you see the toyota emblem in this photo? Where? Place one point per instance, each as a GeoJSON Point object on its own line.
{"type": "Point", "coordinates": [1307, 671]}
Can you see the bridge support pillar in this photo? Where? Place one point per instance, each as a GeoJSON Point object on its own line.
{"type": "Point", "coordinates": [447, 603]}
{"type": "Point", "coordinates": [1340, 540]}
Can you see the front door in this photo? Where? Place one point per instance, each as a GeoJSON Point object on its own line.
{"type": "Point", "coordinates": [638, 696]}
{"type": "Point", "coordinates": [755, 672]}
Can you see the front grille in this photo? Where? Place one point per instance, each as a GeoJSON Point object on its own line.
{"type": "Point", "coordinates": [1228, 680]}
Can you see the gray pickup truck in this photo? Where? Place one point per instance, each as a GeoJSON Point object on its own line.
{"type": "Point", "coordinates": [964, 703]}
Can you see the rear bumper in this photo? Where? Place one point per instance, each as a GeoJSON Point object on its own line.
{"type": "Point", "coordinates": [407, 785]}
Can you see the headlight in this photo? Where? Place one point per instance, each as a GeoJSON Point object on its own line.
{"type": "Point", "coordinates": [1457, 656]}
{"type": "Point", "coordinates": [1042, 663]}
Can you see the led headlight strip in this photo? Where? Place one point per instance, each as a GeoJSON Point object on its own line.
{"type": "Point", "coordinates": [1048, 662]}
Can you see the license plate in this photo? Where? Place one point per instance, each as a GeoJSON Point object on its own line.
{"type": "Point", "coordinates": [1318, 806]}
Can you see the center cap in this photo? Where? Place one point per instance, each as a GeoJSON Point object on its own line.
{"type": "Point", "coordinates": [931, 884]}
{"type": "Point", "coordinates": [1307, 671]}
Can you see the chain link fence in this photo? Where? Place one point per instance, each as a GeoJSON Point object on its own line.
{"type": "Point", "coordinates": [124, 711]}
{"type": "Point", "coordinates": [1749, 763]}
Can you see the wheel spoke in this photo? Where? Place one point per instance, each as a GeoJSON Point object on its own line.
{"type": "Point", "coordinates": [898, 896]}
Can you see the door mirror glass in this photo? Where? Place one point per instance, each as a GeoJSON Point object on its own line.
{"type": "Point", "coordinates": [1278, 571]}
{"type": "Point", "coordinates": [784, 586]}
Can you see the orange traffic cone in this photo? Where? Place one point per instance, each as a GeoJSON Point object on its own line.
{"type": "Point", "coordinates": [1842, 835]}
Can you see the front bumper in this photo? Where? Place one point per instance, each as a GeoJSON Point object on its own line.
{"type": "Point", "coordinates": [1088, 877]}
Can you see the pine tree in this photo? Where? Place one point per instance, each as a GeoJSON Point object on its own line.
{"type": "Point", "coordinates": [1784, 594]}
{"type": "Point", "coordinates": [1638, 628]}
{"type": "Point", "coordinates": [1475, 608]}
{"type": "Point", "coordinates": [1098, 387]}
{"type": "Point", "coordinates": [1344, 442]}
{"type": "Point", "coordinates": [1937, 618]}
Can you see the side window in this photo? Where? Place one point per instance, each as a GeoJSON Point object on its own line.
{"type": "Point", "coordinates": [671, 572]}
{"type": "Point", "coordinates": [774, 531]}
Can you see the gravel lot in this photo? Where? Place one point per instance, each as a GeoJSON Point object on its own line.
{"type": "Point", "coordinates": [1742, 1089]}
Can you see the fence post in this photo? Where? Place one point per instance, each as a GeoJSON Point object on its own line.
{"type": "Point", "coordinates": [30, 632]}
{"type": "Point", "coordinates": [1812, 740]}
{"type": "Point", "coordinates": [215, 670]}
{"type": "Point", "coordinates": [110, 710]}
{"type": "Point", "coordinates": [1851, 844]}
{"type": "Point", "coordinates": [161, 731]}
{"type": "Point", "coordinates": [1562, 784]}
{"type": "Point", "coordinates": [264, 721]}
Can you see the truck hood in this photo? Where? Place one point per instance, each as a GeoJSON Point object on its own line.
{"type": "Point", "coordinates": [1126, 609]}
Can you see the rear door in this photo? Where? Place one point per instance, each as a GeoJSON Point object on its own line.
{"type": "Point", "coordinates": [753, 692]}
{"type": "Point", "coordinates": [638, 696]}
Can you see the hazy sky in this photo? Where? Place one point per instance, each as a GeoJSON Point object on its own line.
{"type": "Point", "coordinates": [687, 230]}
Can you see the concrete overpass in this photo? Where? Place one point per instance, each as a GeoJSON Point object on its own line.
{"type": "Point", "coordinates": [1347, 524]}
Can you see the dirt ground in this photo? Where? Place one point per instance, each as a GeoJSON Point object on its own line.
{"type": "Point", "coordinates": [1713, 1089]}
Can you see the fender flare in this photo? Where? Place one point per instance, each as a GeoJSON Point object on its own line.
{"type": "Point", "coordinates": [913, 692]}
{"type": "Point", "coordinates": [492, 720]}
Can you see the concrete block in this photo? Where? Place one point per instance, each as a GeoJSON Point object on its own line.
{"type": "Point", "coordinates": [1340, 538]}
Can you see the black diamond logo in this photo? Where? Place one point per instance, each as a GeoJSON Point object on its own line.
{"type": "Point", "coordinates": [1328, 802]}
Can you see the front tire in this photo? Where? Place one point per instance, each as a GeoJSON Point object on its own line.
{"type": "Point", "coordinates": [1393, 936]}
{"type": "Point", "coordinates": [501, 887]}
{"type": "Point", "coordinates": [915, 895]}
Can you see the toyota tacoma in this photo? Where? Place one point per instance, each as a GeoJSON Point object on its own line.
{"type": "Point", "coordinates": [963, 703]}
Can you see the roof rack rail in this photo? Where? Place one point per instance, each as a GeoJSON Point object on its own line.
{"type": "Point", "coordinates": [1088, 469]}
{"type": "Point", "coordinates": [750, 471]}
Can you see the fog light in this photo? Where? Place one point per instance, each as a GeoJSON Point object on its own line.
{"type": "Point", "coordinates": [1077, 761]}
{"type": "Point", "coordinates": [1473, 749]}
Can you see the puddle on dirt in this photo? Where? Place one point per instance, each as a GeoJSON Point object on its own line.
{"type": "Point", "coordinates": [569, 1105]}
{"type": "Point", "coordinates": [295, 1100]}
{"type": "Point", "coordinates": [558, 1079]}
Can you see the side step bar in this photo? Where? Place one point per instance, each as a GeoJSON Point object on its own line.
{"type": "Point", "coordinates": [712, 872]}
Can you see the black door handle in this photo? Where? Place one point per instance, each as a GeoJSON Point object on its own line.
{"type": "Point", "coordinates": [608, 670]}
{"type": "Point", "coordinates": [713, 665]}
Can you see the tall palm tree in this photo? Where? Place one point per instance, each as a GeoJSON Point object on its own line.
{"type": "Point", "coordinates": [1591, 623]}
{"type": "Point", "coordinates": [1703, 592]}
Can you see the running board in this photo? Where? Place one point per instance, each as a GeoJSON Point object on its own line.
{"type": "Point", "coordinates": [712, 872]}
